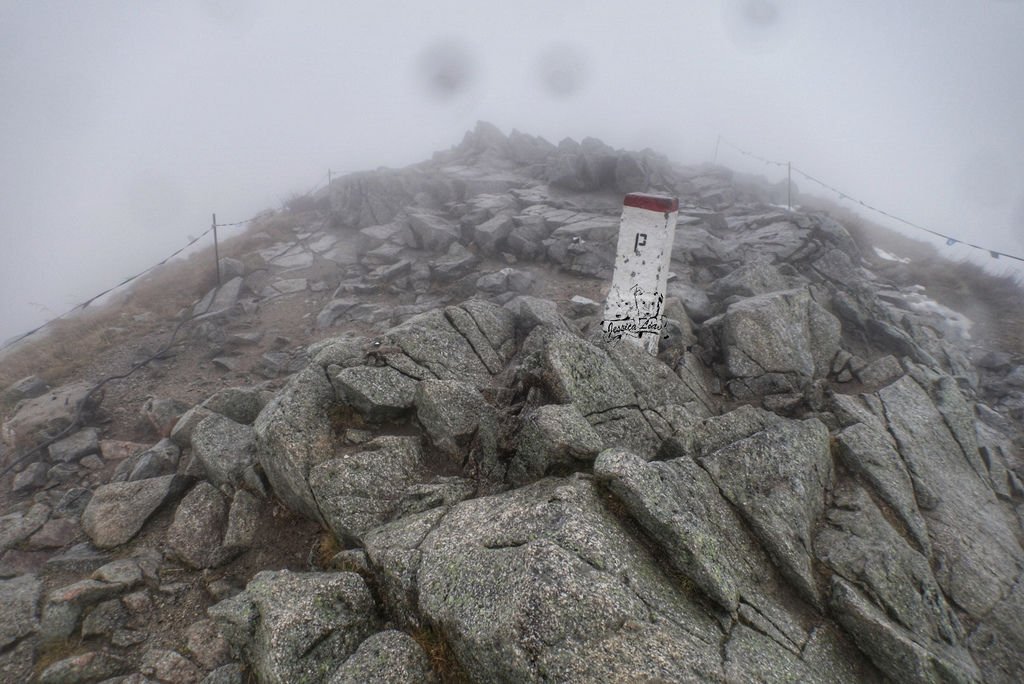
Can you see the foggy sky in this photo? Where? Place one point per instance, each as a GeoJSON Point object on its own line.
{"type": "Point", "coordinates": [123, 125]}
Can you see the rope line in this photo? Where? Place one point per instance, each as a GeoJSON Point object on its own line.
{"type": "Point", "coordinates": [83, 305]}
{"type": "Point", "coordinates": [950, 240]}
{"type": "Point", "coordinates": [76, 420]}
{"type": "Point", "coordinates": [86, 303]}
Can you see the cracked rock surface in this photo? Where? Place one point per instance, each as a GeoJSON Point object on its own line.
{"type": "Point", "coordinates": [456, 477]}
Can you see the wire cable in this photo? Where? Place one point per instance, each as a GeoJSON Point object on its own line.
{"type": "Point", "coordinates": [950, 240]}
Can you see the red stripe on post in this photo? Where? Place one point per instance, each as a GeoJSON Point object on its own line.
{"type": "Point", "coordinates": [651, 202]}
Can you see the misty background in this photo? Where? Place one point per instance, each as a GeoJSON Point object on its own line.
{"type": "Point", "coordinates": [124, 125]}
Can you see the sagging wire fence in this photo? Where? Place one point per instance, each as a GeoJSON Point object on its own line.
{"type": "Point", "coordinates": [950, 240]}
{"type": "Point", "coordinates": [212, 229]}
{"type": "Point", "coordinates": [77, 417]}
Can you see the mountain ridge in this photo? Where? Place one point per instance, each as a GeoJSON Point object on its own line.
{"type": "Point", "coordinates": [447, 471]}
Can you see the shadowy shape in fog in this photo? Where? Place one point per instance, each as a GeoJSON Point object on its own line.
{"type": "Point", "coordinates": [759, 25]}
{"type": "Point", "coordinates": [562, 70]}
{"type": "Point", "coordinates": [446, 68]}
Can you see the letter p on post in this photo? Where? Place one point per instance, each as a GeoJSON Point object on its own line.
{"type": "Point", "coordinates": [634, 309]}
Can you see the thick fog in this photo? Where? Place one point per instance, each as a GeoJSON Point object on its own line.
{"type": "Point", "coordinates": [123, 125]}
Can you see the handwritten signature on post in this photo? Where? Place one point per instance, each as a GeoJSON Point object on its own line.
{"type": "Point", "coordinates": [634, 315]}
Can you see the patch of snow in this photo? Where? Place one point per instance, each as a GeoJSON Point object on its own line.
{"type": "Point", "coordinates": [952, 322]}
{"type": "Point", "coordinates": [888, 256]}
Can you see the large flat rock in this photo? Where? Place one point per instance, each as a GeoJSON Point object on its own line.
{"type": "Point", "coordinates": [117, 511]}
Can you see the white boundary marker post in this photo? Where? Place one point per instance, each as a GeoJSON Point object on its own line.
{"type": "Point", "coordinates": [634, 308]}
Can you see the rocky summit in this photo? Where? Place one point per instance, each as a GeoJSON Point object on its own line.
{"type": "Point", "coordinates": [395, 446]}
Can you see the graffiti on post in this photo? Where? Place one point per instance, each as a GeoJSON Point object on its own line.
{"type": "Point", "coordinates": [636, 314]}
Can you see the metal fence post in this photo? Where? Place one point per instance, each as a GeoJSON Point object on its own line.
{"type": "Point", "coordinates": [216, 248]}
{"type": "Point", "coordinates": [789, 185]}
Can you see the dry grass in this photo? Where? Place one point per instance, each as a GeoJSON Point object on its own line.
{"type": "Point", "coordinates": [442, 658]}
{"type": "Point", "coordinates": [66, 346]}
{"type": "Point", "coordinates": [995, 301]}
{"type": "Point", "coordinates": [327, 547]}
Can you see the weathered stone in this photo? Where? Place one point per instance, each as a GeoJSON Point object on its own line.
{"type": "Point", "coordinates": [892, 648]}
{"type": "Point", "coordinates": [196, 533]}
{"type": "Point", "coordinates": [491, 234]}
{"type": "Point", "coordinates": [206, 644]}
{"type": "Point", "coordinates": [17, 527]}
{"type": "Point", "coordinates": [225, 674]}
{"type": "Point", "coordinates": [549, 556]}
{"type": "Point", "coordinates": [753, 656]}
{"type": "Point", "coordinates": [240, 404]}
{"type": "Point", "coordinates": [456, 263]}
{"type": "Point", "coordinates": [386, 657]}
{"type": "Point", "coordinates": [181, 434]}
{"type": "Point", "coordinates": [27, 388]}
{"type": "Point", "coordinates": [880, 372]}
{"type": "Point", "coordinates": [49, 414]}
{"type": "Point", "coordinates": [431, 341]}
{"type": "Point", "coordinates": [777, 479]}
{"type": "Point", "coordinates": [998, 641]}
{"type": "Point", "coordinates": [630, 174]}
{"type": "Point", "coordinates": [628, 427]}
{"type": "Point", "coordinates": [432, 232]}
{"type": "Point", "coordinates": [440, 491]}
{"type": "Point", "coordinates": [860, 546]}
{"type": "Point", "coordinates": [358, 491]}
{"type": "Point", "coordinates": [392, 551]}
{"type": "Point", "coordinates": [162, 414]}
{"type": "Point", "coordinates": [219, 300]}
{"type": "Point", "coordinates": [124, 572]}
{"type": "Point", "coordinates": [577, 372]}
{"type": "Point", "coordinates": [389, 272]}
{"type": "Point", "coordinates": [293, 434]}
{"type": "Point", "coordinates": [80, 559]}
{"type": "Point", "coordinates": [225, 448]}
{"type": "Point", "coordinates": [63, 473]}
{"type": "Point", "coordinates": [160, 459]}
{"type": "Point", "coordinates": [781, 332]}
{"type": "Point", "coordinates": [32, 477]}
{"type": "Point", "coordinates": [103, 620]}
{"type": "Point", "coordinates": [243, 521]}
{"type": "Point", "coordinates": [334, 310]}
{"type": "Point", "coordinates": [139, 604]}
{"type": "Point", "coordinates": [231, 268]}
{"type": "Point", "coordinates": [471, 320]}
{"type": "Point", "coordinates": [117, 511]}
{"type": "Point", "coordinates": [18, 663]}
{"type": "Point", "coordinates": [288, 286]}
{"type": "Point", "coordinates": [457, 420]}
{"type": "Point", "coordinates": [527, 236]}
{"type": "Point", "coordinates": [532, 311]}
{"type": "Point", "coordinates": [584, 306]}
{"type": "Point", "coordinates": [872, 454]}
{"type": "Point", "coordinates": [82, 443]}
{"type": "Point", "coordinates": [680, 506]}
{"type": "Point", "coordinates": [63, 607]}
{"type": "Point", "coordinates": [554, 439]}
{"type": "Point", "coordinates": [297, 626]}
{"type": "Point", "coordinates": [975, 547]}
{"type": "Point", "coordinates": [749, 280]}
{"type": "Point", "coordinates": [54, 534]}
{"type": "Point", "coordinates": [92, 462]}
{"type": "Point", "coordinates": [661, 390]}
{"type": "Point", "coordinates": [169, 666]}
{"type": "Point", "coordinates": [378, 393]}
{"type": "Point", "coordinates": [93, 666]}
{"type": "Point", "coordinates": [19, 604]}
{"type": "Point", "coordinates": [695, 300]}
